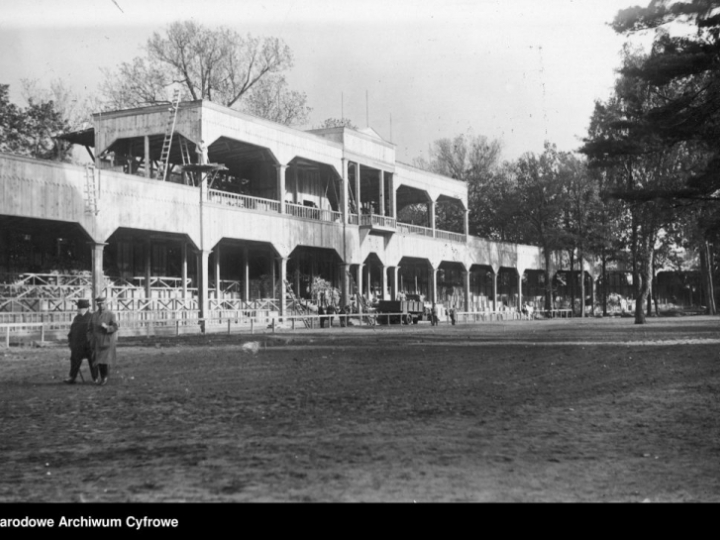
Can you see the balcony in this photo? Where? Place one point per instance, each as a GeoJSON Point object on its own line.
{"type": "Point", "coordinates": [375, 224]}
{"type": "Point", "coordinates": [315, 214]}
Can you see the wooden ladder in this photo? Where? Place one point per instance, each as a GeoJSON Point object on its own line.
{"type": "Point", "coordinates": [296, 302]}
{"type": "Point", "coordinates": [169, 131]}
{"type": "Point", "coordinates": [91, 206]}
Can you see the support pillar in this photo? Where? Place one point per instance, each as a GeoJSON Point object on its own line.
{"type": "Point", "coordinates": [344, 201]}
{"type": "Point", "coordinates": [184, 270]}
{"type": "Point", "coordinates": [382, 193]}
{"type": "Point", "coordinates": [433, 284]}
{"type": "Point", "coordinates": [246, 274]}
{"type": "Point", "coordinates": [466, 283]}
{"type": "Point", "coordinates": [384, 283]}
{"type": "Point", "coordinates": [282, 261]}
{"type": "Point", "coordinates": [368, 281]}
{"type": "Point", "coordinates": [466, 223]}
{"type": "Point", "coordinates": [357, 191]}
{"type": "Point", "coordinates": [345, 283]}
{"type": "Point", "coordinates": [519, 300]}
{"type": "Point", "coordinates": [148, 270]}
{"type": "Point", "coordinates": [148, 168]}
{"type": "Point", "coordinates": [431, 215]}
{"type": "Point", "coordinates": [98, 277]}
{"type": "Point", "coordinates": [281, 186]}
{"type": "Point", "coordinates": [495, 289]}
{"type": "Point", "coordinates": [395, 283]}
{"type": "Point", "coordinates": [203, 285]}
{"type": "Point", "coordinates": [218, 288]}
{"type": "Point", "coordinates": [359, 283]}
{"type": "Point", "coordinates": [393, 202]}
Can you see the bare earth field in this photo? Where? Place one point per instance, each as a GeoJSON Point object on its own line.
{"type": "Point", "coordinates": [556, 410]}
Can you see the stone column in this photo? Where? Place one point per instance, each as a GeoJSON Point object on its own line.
{"type": "Point", "coordinates": [98, 277]}
{"type": "Point", "coordinates": [281, 186]}
{"type": "Point", "coordinates": [433, 284]}
{"type": "Point", "coordinates": [466, 223]}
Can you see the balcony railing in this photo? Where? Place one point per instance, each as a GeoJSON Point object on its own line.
{"type": "Point", "coordinates": [243, 201]}
{"type": "Point", "coordinates": [447, 235]}
{"type": "Point", "coordinates": [406, 228]}
{"type": "Point", "coordinates": [380, 221]}
{"type": "Point", "coordinates": [308, 212]}
{"type": "Point", "coordinates": [353, 219]}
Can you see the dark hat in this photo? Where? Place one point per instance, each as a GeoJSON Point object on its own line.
{"type": "Point", "coordinates": [100, 300]}
{"type": "Point", "coordinates": [83, 303]}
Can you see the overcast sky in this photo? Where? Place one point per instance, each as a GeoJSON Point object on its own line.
{"type": "Point", "coordinates": [522, 71]}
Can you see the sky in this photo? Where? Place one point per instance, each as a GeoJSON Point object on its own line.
{"type": "Point", "coordinates": [520, 71]}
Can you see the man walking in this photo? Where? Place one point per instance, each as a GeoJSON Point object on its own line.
{"type": "Point", "coordinates": [78, 342]}
{"type": "Point", "coordinates": [102, 334]}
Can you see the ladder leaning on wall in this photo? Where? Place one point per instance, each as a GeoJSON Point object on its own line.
{"type": "Point", "coordinates": [169, 131]}
{"type": "Point", "coordinates": [295, 303]}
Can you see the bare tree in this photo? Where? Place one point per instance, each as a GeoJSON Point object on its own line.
{"type": "Point", "coordinates": [218, 65]}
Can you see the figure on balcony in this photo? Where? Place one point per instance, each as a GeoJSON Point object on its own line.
{"type": "Point", "coordinates": [202, 151]}
{"type": "Point", "coordinates": [102, 333]}
{"type": "Point", "coordinates": [79, 344]}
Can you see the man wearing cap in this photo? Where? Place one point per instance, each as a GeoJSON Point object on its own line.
{"type": "Point", "coordinates": [78, 342]}
{"type": "Point", "coordinates": [102, 334]}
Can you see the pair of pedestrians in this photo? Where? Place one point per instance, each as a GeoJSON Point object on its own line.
{"type": "Point", "coordinates": [93, 337]}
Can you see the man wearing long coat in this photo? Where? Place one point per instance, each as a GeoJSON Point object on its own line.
{"type": "Point", "coordinates": [102, 333]}
{"type": "Point", "coordinates": [79, 344]}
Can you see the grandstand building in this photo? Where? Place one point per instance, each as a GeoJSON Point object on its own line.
{"type": "Point", "coordinates": [199, 211]}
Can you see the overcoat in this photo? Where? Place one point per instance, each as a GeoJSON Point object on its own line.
{"type": "Point", "coordinates": [78, 335]}
{"type": "Point", "coordinates": [102, 340]}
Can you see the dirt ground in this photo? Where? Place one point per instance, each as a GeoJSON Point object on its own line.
{"type": "Point", "coordinates": [556, 410]}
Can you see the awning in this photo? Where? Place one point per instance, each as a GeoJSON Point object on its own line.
{"type": "Point", "coordinates": [85, 137]}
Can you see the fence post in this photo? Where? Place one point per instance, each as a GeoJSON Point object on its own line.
{"type": "Point", "coordinates": [42, 333]}
{"type": "Point", "coordinates": [293, 323]}
{"type": "Point", "coordinates": [7, 336]}
{"type": "Point", "coordinates": [273, 325]}
{"type": "Point", "coordinates": [252, 326]}
{"type": "Point", "coordinates": [177, 327]}
{"type": "Point", "coordinates": [229, 326]}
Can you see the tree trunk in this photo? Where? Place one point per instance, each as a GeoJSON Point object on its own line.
{"type": "Point", "coordinates": [706, 269]}
{"type": "Point", "coordinates": [582, 285]}
{"type": "Point", "coordinates": [604, 278]}
{"type": "Point", "coordinates": [644, 286]}
{"type": "Point", "coordinates": [571, 280]}
{"type": "Point", "coordinates": [548, 282]}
